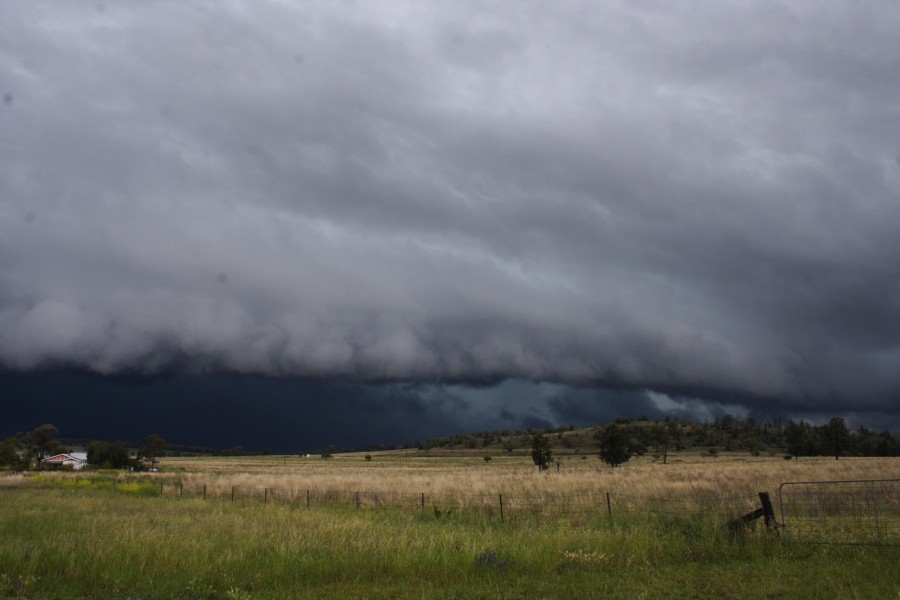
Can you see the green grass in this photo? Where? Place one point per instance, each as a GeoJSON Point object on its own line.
{"type": "Point", "coordinates": [99, 541]}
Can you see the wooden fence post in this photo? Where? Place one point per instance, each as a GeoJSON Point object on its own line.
{"type": "Point", "coordinates": [265, 495]}
{"type": "Point", "coordinates": [875, 508]}
{"type": "Point", "coordinates": [204, 491]}
{"type": "Point", "coordinates": [181, 488]}
{"type": "Point", "coordinates": [501, 507]}
{"type": "Point", "coordinates": [307, 498]}
{"type": "Point", "coordinates": [232, 493]}
{"type": "Point", "coordinates": [608, 507]}
{"type": "Point", "coordinates": [357, 500]}
{"type": "Point", "coordinates": [768, 510]}
{"type": "Point", "coordinates": [423, 501]}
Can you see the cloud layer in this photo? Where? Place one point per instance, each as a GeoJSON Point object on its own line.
{"type": "Point", "coordinates": [700, 199]}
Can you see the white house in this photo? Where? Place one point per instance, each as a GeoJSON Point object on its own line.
{"type": "Point", "coordinates": [76, 460]}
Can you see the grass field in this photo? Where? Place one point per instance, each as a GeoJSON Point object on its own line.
{"type": "Point", "coordinates": [73, 539]}
{"type": "Point", "coordinates": [686, 474]}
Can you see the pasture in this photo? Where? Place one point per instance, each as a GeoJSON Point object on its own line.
{"type": "Point", "coordinates": [62, 538]}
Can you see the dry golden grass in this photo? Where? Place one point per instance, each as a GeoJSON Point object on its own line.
{"type": "Point", "coordinates": [8, 480]}
{"type": "Point", "coordinates": [685, 476]}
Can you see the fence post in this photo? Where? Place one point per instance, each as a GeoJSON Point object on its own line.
{"type": "Point", "coordinates": [357, 500]}
{"type": "Point", "coordinates": [501, 507]}
{"type": "Point", "coordinates": [608, 507]}
{"type": "Point", "coordinates": [232, 493]}
{"type": "Point", "coordinates": [768, 510]}
{"type": "Point", "coordinates": [265, 495]}
{"type": "Point", "coordinates": [160, 488]}
{"type": "Point", "coordinates": [307, 498]}
{"type": "Point", "coordinates": [422, 503]}
{"type": "Point", "coordinates": [181, 488]}
{"type": "Point", "coordinates": [875, 507]}
{"type": "Point", "coordinates": [204, 491]}
{"type": "Point", "coordinates": [781, 506]}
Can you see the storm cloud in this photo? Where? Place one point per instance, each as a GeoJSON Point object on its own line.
{"type": "Point", "coordinates": [697, 199]}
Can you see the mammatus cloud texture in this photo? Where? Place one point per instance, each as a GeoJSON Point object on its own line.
{"type": "Point", "coordinates": [698, 198]}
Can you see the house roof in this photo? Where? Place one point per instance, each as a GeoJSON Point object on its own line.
{"type": "Point", "coordinates": [61, 458]}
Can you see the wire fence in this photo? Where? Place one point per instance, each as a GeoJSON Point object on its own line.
{"type": "Point", "coordinates": [829, 512]}
{"type": "Point", "coordinates": [580, 507]}
{"type": "Point", "coordinates": [865, 512]}
{"type": "Point", "coordinates": [502, 506]}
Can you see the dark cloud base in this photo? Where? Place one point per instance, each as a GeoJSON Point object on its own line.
{"type": "Point", "coordinates": [221, 411]}
{"type": "Point", "coordinates": [300, 415]}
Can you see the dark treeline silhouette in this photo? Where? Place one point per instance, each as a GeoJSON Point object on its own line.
{"type": "Point", "coordinates": [728, 433]}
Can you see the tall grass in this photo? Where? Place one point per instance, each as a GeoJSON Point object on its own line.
{"type": "Point", "coordinates": [92, 542]}
{"type": "Point", "coordinates": [516, 477]}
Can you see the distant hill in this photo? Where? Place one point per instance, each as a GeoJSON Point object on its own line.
{"type": "Point", "coordinates": [727, 434]}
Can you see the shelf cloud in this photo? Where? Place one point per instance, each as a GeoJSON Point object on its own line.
{"type": "Point", "coordinates": [701, 200]}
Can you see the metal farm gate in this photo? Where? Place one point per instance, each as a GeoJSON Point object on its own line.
{"type": "Point", "coordinates": [841, 512]}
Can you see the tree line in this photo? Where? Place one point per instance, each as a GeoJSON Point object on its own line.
{"type": "Point", "coordinates": [617, 442]}
{"type": "Point", "coordinates": [724, 434]}
{"type": "Point", "coordinates": [25, 451]}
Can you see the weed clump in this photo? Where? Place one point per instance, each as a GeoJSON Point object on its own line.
{"type": "Point", "coordinates": [490, 561]}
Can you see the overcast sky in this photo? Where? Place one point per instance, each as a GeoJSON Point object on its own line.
{"type": "Point", "coordinates": [682, 199]}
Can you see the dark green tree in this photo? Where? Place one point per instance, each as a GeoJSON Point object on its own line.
{"type": "Point", "coordinates": [752, 445]}
{"type": "Point", "coordinates": [152, 449]}
{"type": "Point", "coordinates": [9, 457]}
{"type": "Point", "coordinates": [796, 439]}
{"type": "Point", "coordinates": [614, 445]}
{"type": "Point", "coordinates": [660, 437]}
{"type": "Point", "coordinates": [109, 455]}
{"type": "Point", "coordinates": [541, 453]}
{"type": "Point", "coordinates": [41, 442]}
{"type": "Point", "coordinates": [836, 436]}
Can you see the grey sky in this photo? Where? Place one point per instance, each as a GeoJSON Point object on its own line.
{"type": "Point", "coordinates": [695, 198]}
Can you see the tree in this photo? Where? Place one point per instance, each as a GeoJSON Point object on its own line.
{"type": "Point", "coordinates": [660, 434]}
{"type": "Point", "coordinates": [152, 449]}
{"type": "Point", "coordinates": [796, 438]}
{"type": "Point", "coordinates": [866, 441]}
{"type": "Point", "coordinates": [752, 445]}
{"type": "Point", "coordinates": [9, 457]}
{"type": "Point", "coordinates": [541, 453]}
{"type": "Point", "coordinates": [614, 445]}
{"type": "Point", "coordinates": [836, 436]}
{"type": "Point", "coordinates": [329, 451]}
{"type": "Point", "coordinates": [109, 455]}
{"type": "Point", "coordinates": [41, 442]}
